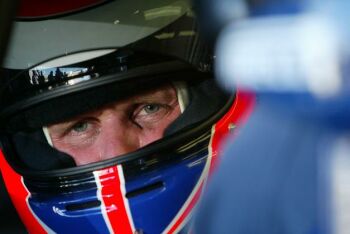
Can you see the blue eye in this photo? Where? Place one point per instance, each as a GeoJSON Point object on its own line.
{"type": "Point", "coordinates": [151, 108]}
{"type": "Point", "coordinates": [80, 127]}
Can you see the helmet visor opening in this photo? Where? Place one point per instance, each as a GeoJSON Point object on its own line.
{"type": "Point", "coordinates": [118, 128]}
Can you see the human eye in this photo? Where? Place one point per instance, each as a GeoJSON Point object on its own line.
{"type": "Point", "coordinates": [77, 134]}
{"type": "Point", "coordinates": [153, 108]}
{"type": "Point", "coordinates": [147, 113]}
{"type": "Point", "coordinates": [80, 127]}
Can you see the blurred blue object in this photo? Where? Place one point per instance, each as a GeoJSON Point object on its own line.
{"type": "Point", "coordinates": [288, 168]}
{"type": "Point", "coordinates": [268, 180]}
{"type": "Point", "coordinates": [293, 53]}
{"type": "Point", "coordinates": [287, 171]}
{"type": "Point", "coordinates": [287, 46]}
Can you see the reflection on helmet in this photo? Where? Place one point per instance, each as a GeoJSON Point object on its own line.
{"type": "Point", "coordinates": [110, 118]}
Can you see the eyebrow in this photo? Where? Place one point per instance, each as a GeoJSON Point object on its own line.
{"type": "Point", "coordinates": [60, 128]}
{"type": "Point", "coordinates": [164, 93]}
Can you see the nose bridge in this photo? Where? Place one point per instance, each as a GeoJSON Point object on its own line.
{"type": "Point", "coordinates": [119, 136]}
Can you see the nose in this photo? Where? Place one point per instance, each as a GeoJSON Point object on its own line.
{"type": "Point", "coordinates": [118, 137]}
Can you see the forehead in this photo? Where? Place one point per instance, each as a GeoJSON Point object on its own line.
{"type": "Point", "coordinates": [163, 92]}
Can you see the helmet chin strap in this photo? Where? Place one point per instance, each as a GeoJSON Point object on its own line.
{"type": "Point", "coordinates": [182, 98]}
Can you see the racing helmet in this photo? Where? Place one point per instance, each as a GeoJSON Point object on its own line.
{"type": "Point", "coordinates": [77, 59]}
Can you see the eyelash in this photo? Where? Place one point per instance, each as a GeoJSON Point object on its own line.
{"type": "Point", "coordinates": [71, 130]}
{"type": "Point", "coordinates": [152, 105]}
{"type": "Point", "coordinates": [79, 125]}
{"type": "Point", "coordinates": [135, 114]}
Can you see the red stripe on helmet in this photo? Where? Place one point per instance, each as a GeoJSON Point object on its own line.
{"type": "Point", "coordinates": [184, 215]}
{"type": "Point", "coordinates": [115, 205]}
{"type": "Point", "coordinates": [238, 113]}
{"type": "Point", "coordinates": [19, 195]}
{"type": "Point", "coordinates": [236, 116]}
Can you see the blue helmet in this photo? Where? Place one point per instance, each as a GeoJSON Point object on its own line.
{"type": "Point", "coordinates": [75, 60]}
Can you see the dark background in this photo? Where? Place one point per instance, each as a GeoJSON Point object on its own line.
{"type": "Point", "coordinates": [9, 220]}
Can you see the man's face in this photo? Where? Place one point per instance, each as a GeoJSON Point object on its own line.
{"type": "Point", "coordinates": [118, 128]}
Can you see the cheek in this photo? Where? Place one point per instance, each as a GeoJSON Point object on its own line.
{"type": "Point", "coordinates": [81, 155]}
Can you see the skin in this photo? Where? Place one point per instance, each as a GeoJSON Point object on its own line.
{"type": "Point", "coordinates": [118, 128]}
